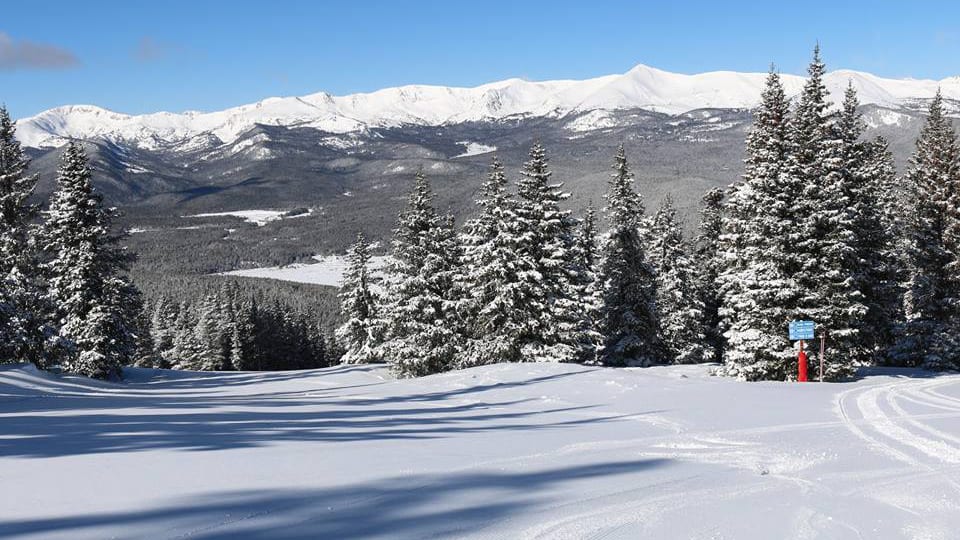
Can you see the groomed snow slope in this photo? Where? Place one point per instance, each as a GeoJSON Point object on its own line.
{"type": "Point", "coordinates": [642, 87]}
{"type": "Point", "coordinates": [506, 451]}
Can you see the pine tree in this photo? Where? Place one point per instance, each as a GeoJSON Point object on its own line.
{"type": "Point", "coordinates": [586, 256]}
{"type": "Point", "coordinates": [587, 251]}
{"type": "Point", "coordinates": [551, 328]}
{"type": "Point", "coordinates": [756, 285]}
{"type": "Point", "coordinates": [16, 187]}
{"type": "Point", "coordinates": [420, 319]}
{"type": "Point", "coordinates": [243, 336]}
{"type": "Point", "coordinates": [85, 273]}
{"type": "Point", "coordinates": [163, 329]}
{"type": "Point", "coordinates": [628, 317]}
{"type": "Point", "coordinates": [492, 289]}
{"type": "Point", "coordinates": [188, 350]}
{"type": "Point", "coordinates": [827, 158]}
{"type": "Point", "coordinates": [888, 269]}
{"type": "Point", "coordinates": [678, 301]}
{"type": "Point", "coordinates": [25, 334]}
{"type": "Point", "coordinates": [211, 337]}
{"type": "Point", "coordinates": [358, 335]}
{"type": "Point", "coordinates": [867, 176]}
{"type": "Point", "coordinates": [708, 263]}
{"type": "Point", "coordinates": [932, 294]}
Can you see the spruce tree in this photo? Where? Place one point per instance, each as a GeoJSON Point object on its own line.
{"type": "Point", "coordinates": [25, 333]}
{"type": "Point", "coordinates": [420, 319]}
{"type": "Point", "coordinates": [163, 329]}
{"type": "Point", "coordinates": [587, 250]}
{"type": "Point", "coordinates": [242, 337]}
{"type": "Point", "coordinates": [211, 337]}
{"type": "Point", "coordinates": [867, 179]}
{"type": "Point", "coordinates": [756, 285]}
{"type": "Point", "coordinates": [91, 295]}
{"type": "Point", "coordinates": [889, 269]}
{"type": "Point", "coordinates": [358, 335]}
{"type": "Point", "coordinates": [679, 305]}
{"type": "Point", "coordinates": [493, 290]}
{"type": "Point", "coordinates": [547, 274]}
{"type": "Point", "coordinates": [628, 317]}
{"type": "Point", "coordinates": [586, 258]}
{"type": "Point", "coordinates": [708, 263]}
{"type": "Point", "coordinates": [932, 293]}
{"type": "Point", "coordinates": [827, 158]}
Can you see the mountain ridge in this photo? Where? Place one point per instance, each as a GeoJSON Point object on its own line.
{"type": "Point", "coordinates": [642, 87]}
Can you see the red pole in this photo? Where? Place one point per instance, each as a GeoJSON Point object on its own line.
{"type": "Point", "coordinates": [802, 364]}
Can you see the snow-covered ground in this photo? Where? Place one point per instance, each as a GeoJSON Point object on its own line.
{"type": "Point", "coordinates": [475, 149]}
{"type": "Point", "coordinates": [508, 451]}
{"type": "Point", "coordinates": [257, 217]}
{"type": "Point", "coordinates": [328, 270]}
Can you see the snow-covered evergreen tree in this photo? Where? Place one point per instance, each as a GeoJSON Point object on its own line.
{"type": "Point", "coordinates": [586, 258]}
{"type": "Point", "coordinates": [187, 349]}
{"type": "Point", "coordinates": [419, 312]}
{"type": "Point", "coordinates": [889, 269]}
{"type": "Point", "coordinates": [243, 336]}
{"type": "Point", "coordinates": [92, 297]}
{"type": "Point", "coordinates": [358, 335]}
{"type": "Point", "coordinates": [865, 177]}
{"type": "Point", "coordinates": [708, 262]}
{"type": "Point", "coordinates": [628, 317]}
{"type": "Point", "coordinates": [826, 158]}
{"type": "Point", "coordinates": [212, 339]}
{"type": "Point", "coordinates": [756, 285]}
{"type": "Point", "coordinates": [25, 335]}
{"type": "Point", "coordinates": [552, 315]}
{"type": "Point", "coordinates": [587, 250]}
{"type": "Point", "coordinates": [163, 320]}
{"type": "Point", "coordinates": [932, 296]}
{"type": "Point", "coordinates": [679, 304]}
{"type": "Point", "coordinates": [492, 290]}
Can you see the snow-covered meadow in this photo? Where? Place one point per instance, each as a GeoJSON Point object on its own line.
{"type": "Point", "coordinates": [257, 217]}
{"type": "Point", "coordinates": [504, 451]}
{"type": "Point", "coordinates": [328, 270]}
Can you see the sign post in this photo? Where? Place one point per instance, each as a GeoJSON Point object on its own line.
{"type": "Point", "coordinates": [823, 338]}
{"type": "Point", "coordinates": [802, 364]}
{"type": "Point", "coordinates": [802, 331]}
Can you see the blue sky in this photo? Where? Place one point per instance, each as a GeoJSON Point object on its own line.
{"type": "Point", "coordinates": [137, 57]}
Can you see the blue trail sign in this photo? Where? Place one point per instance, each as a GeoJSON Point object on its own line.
{"type": "Point", "coordinates": [801, 330]}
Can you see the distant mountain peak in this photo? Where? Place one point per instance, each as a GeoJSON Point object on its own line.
{"type": "Point", "coordinates": [642, 87]}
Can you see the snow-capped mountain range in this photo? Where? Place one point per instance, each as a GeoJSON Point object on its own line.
{"type": "Point", "coordinates": [642, 87]}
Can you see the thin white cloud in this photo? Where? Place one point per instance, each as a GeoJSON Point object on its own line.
{"type": "Point", "coordinates": [23, 54]}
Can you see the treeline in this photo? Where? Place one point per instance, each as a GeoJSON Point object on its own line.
{"type": "Point", "coordinates": [525, 281]}
{"type": "Point", "coordinates": [820, 227]}
{"type": "Point", "coordinates": [230, 324]}
{"type": "Point", "coordinates": [65, 299]}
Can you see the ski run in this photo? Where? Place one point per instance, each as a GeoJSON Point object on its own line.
{"type": "Point", "coordinates": [519, 451]}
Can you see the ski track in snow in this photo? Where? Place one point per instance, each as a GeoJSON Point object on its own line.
{"type": "Point", "coordinates": [888, 433]}
{"type": "Point", "coordinates": [877, 458]}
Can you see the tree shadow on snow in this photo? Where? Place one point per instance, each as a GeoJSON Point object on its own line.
{"type": "Point", "coordinates": [415, 506]}
{"type": "Point", "coordinates": [76, 424]}
{"type": "Point", "coordinates": [867, 372]}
